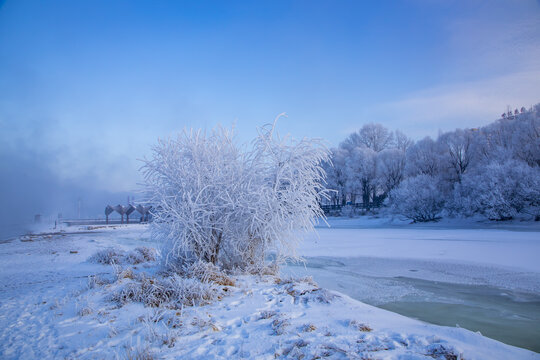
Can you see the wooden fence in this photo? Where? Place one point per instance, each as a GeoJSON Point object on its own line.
{"type": "Point", "coordinates": [337, 208]}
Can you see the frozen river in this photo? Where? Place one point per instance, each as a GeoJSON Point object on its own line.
{"type": "Point", "coordinates": [483, 279]}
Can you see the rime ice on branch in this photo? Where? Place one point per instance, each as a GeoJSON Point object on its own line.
{"type": "Point", "coordinates": [216, 203]}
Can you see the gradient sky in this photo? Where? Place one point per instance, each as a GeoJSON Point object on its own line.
{"type": "Point", "coordinates": [87, 86]}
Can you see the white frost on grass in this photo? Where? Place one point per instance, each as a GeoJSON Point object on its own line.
{"type": "Point", "coordinates": [112, 256]}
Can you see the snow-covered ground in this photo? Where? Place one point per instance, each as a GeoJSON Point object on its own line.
{"type": "Point", "coordinates": [502, 246]}
{"type": "Point", "coordinates": [47, 309]}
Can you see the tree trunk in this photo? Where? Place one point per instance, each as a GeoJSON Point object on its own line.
{"type": "Point", "coordinates": [215, 253]}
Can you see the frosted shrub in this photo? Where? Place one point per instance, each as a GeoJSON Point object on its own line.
{"type": "Point", "coordinates": [280, 325]}
{"type": "Point", "coordinates": [84, 309]}
{"type": "Point", "coordinates": [112, 256]}
{"type": "Point", "coordinates": [499, 191]}
{"type": "Point", "coordinates": [418, 198]}
{"type": "Point", "coordinates": [207, 272]}
{"type": "Point", "coordinates": [219, 204]}
{"type": "Point", "coordinates": [139, 353]}
{"type": "Point", "coordinates": [95, 281]}
{"type": "Point", "coordinates": [107, 256]}
{"type": "Point", "coordinates": [140, 255]}
{"type": "Point", "coordinates": [173, 291]}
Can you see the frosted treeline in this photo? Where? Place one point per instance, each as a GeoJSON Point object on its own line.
{"type": "Point", "coordinates": [492, 171]}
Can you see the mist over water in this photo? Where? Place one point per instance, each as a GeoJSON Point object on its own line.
{"type": "Point", "coordinates": [9, 231]}
{"type": "Point", "coordinates": [28, 188]}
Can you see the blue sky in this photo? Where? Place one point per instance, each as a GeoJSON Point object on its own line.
{"type": "Point", "coordinates": [86, 87]}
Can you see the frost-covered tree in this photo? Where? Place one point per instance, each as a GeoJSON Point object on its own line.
{"type": "Point", "coordinates": [356, 159]}
{"type": "Point", "coordinates": [336, 176]}
{"type": "Point", "coordinates": [499, 191]}
{"type": "Point", "coordinates": [390, 169]}
{"type": "Point", "coordinates": [401, 141]}
{"type": "Point", "coordinates": [361, 174]}
{"type": "Point", "coordinates": [376, 137]}
{"type": "Point", "coordinates": [372, 136]}
{"type": "Point", "coordinates": [526, 138]}
{"type": "Point", "coordinates": [459, 151]}
{"type": "Point", "coordinates": [423, 158]}
{"type": "Point", "coordinates": [216, 203]}
{"type": "Point", "coordinates": [515, 137]}
{"type": "Point", "coordinates": [418, 198]}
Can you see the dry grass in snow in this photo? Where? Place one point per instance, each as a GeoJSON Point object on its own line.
{"type": "Point", "coordinates": [113, 256]}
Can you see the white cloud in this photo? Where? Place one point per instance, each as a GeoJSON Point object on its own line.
{"type": "Point", "coordinates": [468, 104]}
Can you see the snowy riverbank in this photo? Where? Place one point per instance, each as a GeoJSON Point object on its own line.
{"type": "Point", "coordinates": [483, 276]}
{"type": "Point", "coordinates": [47, 310]}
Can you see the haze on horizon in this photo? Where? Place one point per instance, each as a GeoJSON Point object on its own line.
{"type": "Point", "coordinates": [87, 87]}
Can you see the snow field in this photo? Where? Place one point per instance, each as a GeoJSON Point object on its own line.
{"type": "Point", "coordinates": [57, 304]}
